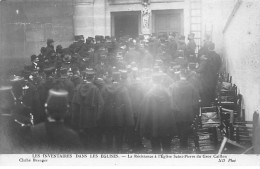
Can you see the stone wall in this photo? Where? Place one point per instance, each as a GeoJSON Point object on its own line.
{"type": "Point", "coordinates": [26, 25]}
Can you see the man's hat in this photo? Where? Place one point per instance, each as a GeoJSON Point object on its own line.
{"type": "Point", "coordinates": [163, 35]}
{"type": "Point", "coordinates": [102, 48]}
{"type": "Point", "coordinates": [102, 37]}
{"type": "Point", "coordinates": [192, 66]}
{"type": "Point", "coordinates": [211, 46]}
{"type": "Point", "coordinates": [141, 36]}
{"type": "Point", "coordinates": [184, 72]}
{"type": "Point", "coordinates": [57, 104]}
{"type": "Point", "coordinates": [43, 50]}
{"type": "Point", "coordinates": [91, 38]}
{"type": "Point", "coordinates": [180, 53]}
{"type": "Point", "coordinates": [99, 82]}
{"type": "Point", "coordinates": [123, 73]}
{"type": "Point", "coordinates": [59, 49]}
{"type": "Point", "coordinates": [191, 36]}
{"type": "Point", "coordinates": [79, 37]}
{"type": "Point", "coordinates": [176, 68]}
{"type": "Point", "coordinates": [74, 69]}
{"type": "Point", "coordinates": [182, 38]}
{"type": "Point", "coordinates": [49, 41]}
{"type": "Point", "coordinates": [88, 41]}
{"type": "Point", "coordinates": [63, 71]}
{"type": "Point", "coordinates": [67, 58]}
{"type": "Point", "coordinates": [158, 62]}
{"type": "Point", "coordinates": [97, 37]}
{"type": "Point", "coordinates": [33, 57]}
{"type": "Point", "coordinates": [89, 73]}
{"type": "Point", "coordinates": [172, 34]}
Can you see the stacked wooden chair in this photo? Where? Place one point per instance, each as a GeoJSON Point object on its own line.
{"type": "Point", "coordinates": [214, 122]}
{"type": "Point", "coordinates": [206, 126]}
{"type": "Point", "coordinates": [244, 133]}
{"type": "Point", "coordinates": [235, 129]}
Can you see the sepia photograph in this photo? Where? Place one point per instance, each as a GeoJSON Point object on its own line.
{"type": "Point", "coordinates": [130, 82]}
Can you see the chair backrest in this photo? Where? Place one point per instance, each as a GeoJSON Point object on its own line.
{"type": "Point", "coordinates": [209, 115]}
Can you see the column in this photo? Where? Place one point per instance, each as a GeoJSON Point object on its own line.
{"type": "Point", "coordinates": [100, 17]}
{"type": "Point", "coordinates": [146, 19]}
{"type": "Point", "coordinates": [84, 18]}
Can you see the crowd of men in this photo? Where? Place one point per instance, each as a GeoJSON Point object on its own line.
{"type": "Point", "coordinates": [102, 94]}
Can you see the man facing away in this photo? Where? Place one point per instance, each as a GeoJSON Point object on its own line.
{"type": "Point", "coordinates": [52, 136]}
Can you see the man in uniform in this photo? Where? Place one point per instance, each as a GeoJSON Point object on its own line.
{"type": "Point", "coordinates": [185, 100]}
{"type": "Point", "coordinates": [52, 136]}
{"type": "Point", "coordinates": [182, 44]}
{"type": "Point", "coordinates": [87, 106]}
{"type": "Point", "coordinates": [44, 87]}
{"type": "Point", "coordinates": [60, 55]}
{"type": "Point", "coordinates": [207, 81]}
{"type": "Point", "coordinates": [42, 59]}
{"type": "Point", "coordinates": [76, 46]}
{"type": "Point", "coordinates": [215, 65]}
{"type": "Point", "coordinates": [156, 118]}
{"type": "Point", "coordinates": [191, 47]}
{"type": "Point", "coordinates": [172, 46]}
{"type": "Point", "coordinates": [64, 83]}
{"type": "Point", "coordinates": [7, 123]}
{"type": "Point", "coordinates": [34, 61]}
{"type": "Point", "coordinates": [25, 106]}
{"type": "Point", "coordinates": [132, 55]}
{"type": "Point", "coordinates": [117, 118]}
{"type": "Point", "coordinates": [50, 48]}
{"type": "Point", "coordinates": [204, 49]}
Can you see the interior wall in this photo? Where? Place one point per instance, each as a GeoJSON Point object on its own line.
{"type": "Point", "coordinates": [215, 14]}
{"type": "Point", "coordinates": [241, 47]}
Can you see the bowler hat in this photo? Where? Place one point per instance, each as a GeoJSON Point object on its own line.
{"type": "Point", "coordinates": [33, 57]}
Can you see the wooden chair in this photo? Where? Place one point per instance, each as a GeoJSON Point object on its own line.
{"type": "Point", "coordinates": [244, 135]}
{"type": "Point", "coordinates": [206, 127]}
{"type": "Point", "coordinates": [224, 77]}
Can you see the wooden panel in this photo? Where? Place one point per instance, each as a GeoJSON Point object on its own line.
{"type": "Point", "coordinates": [167, 23]}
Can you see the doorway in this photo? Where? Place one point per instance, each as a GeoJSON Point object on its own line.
{"type": "Point", "coordinates": [126, 24]}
